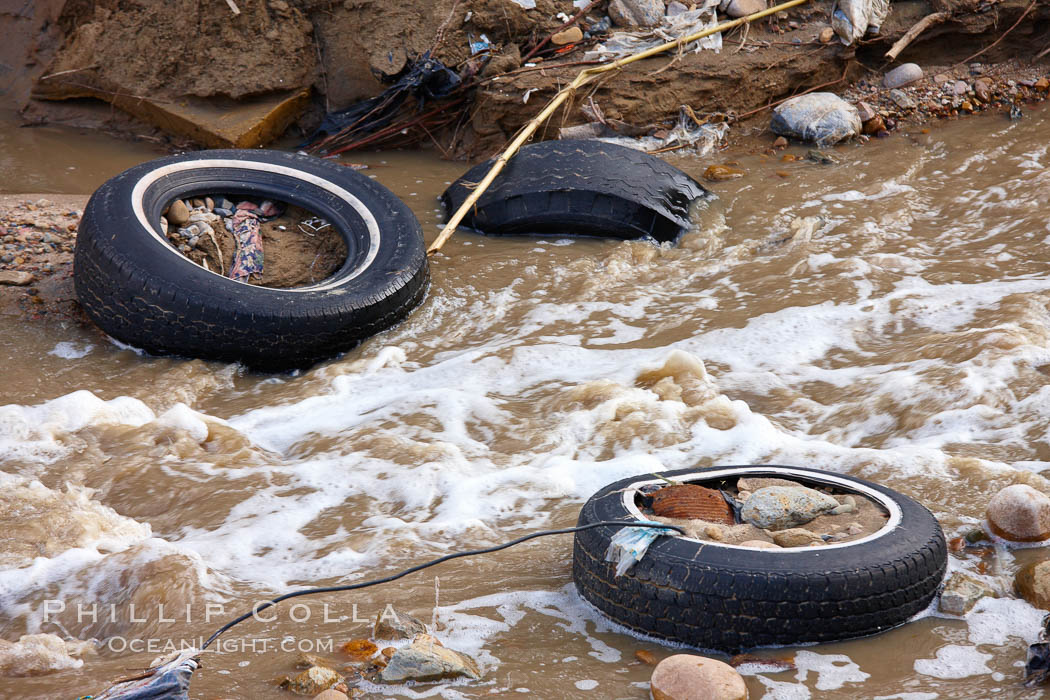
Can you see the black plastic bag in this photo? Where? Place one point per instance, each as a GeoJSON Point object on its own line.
{"type": "Point", "coordinates": [170, 681]}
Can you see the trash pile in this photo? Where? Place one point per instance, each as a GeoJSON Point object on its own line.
{"type": "Point", "coordinates": [767, 513]}
{"type": "Point", "coordinates": [197, 221]}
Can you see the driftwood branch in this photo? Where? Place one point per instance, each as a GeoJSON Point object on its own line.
{"type": "Point", "coordinates": [584, 77]}
{"type": "Point", "coordinates": [916, 29]}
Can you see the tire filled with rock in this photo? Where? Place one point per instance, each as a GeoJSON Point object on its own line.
{"type": "Point", "coordinates": [774, 555]}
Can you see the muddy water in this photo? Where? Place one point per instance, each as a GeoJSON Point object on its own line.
{"type": "Point", "coordinates": [902, 335]}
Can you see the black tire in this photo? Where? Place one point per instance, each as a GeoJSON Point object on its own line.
{"type": "Point", "coordinates": [143, 292]}
{"type": "Point", "coordinates": [580, 187]}
{"type": "Point", "coordinates": [730, 598]}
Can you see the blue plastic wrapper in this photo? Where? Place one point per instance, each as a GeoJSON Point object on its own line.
{"type": "Point", "coordinates": [168, 682]}
{"type": "Point", "coordinates": [630, 544]}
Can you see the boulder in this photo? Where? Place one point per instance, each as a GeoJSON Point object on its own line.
{"type": "Point", "coordinates": [427, 660]}
{"type": "Point", "coordinates": [1020, 513]}
{"type": "Point", "coordinates": [902, 75]}
{"type": "Point", "coordinates": [1032, 582]}
{"type": "Point", "coordinates": [820, 117]}
{"type": "Point", "coordinates": [961, 593]}
{"type": "Point", "coordinates": [783, 507]}
{"type": "Point", "coordinates": [689, 677]}
{"type": "Point", "coordinates": [637, 13]}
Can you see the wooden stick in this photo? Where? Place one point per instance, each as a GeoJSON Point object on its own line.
{"type": "Point", "coordinates": [916, 29]}
{"type": "Point", "coordinates": [233, 7]}
{"type": "Point", "coordinates": [582, 79]}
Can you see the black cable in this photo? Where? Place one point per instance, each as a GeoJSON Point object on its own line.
{"type": "Point", "coordinates": [425, 565]}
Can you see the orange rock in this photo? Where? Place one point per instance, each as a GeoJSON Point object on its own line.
{"type": "Point", "coordinates": [719, 173]}
{"type": "Point", "coordinates": [646, 657]}
{"type": "Point", "coordinates": [1042, 84]}
{"type": "Point", "coordinates": [360, 649]}
{"type": "Point", "coordinates": [874, 125]}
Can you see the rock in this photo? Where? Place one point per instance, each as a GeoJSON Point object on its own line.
{"type": "Point", "coordinates": [961, 593]}
{"type": "Point", "coordinates": [742, 8]}
{"type": "Point", "coordinates": [209, 203]}
{"type": "Point", "coordinates": [568, 36]}
{"type": "Point", "coordinates": [427, 660]}
{"type": "Point", "coordinates": [1020, 513]}
{"type": "Point", "coordinates": [178, 213]}
{"type": "Point", "coordinates": [827, 34]}
{"type": "Point", "coordinates": [782, 507]}
{"type": "Point", "coordinates": [164, 225]}
{"type": "Point", "coordinates": [760, 544]}
{"type": "Point", "coordinates": [582, 131]}
{"type": "Point", "coordinates": [960, 87]}
{"type": "Point", "coordinates": [901, 99]}
{"type": "Point", "coordinates": [1032, 583]}
{"type": "Point", "coordinates": [1042, 84]}
{"type": "Point", "coordinates": [797, 537]}
{"type": "Point", "coordinates": [820, 157]}
{"type": "Point", "coordinates": [941, 78]}
{"type": "Point", "coordinates": [720, 173]}
{"type": "Point", "coordinates": [865, 111]}
{"type": "Point", "coordinates": [16, 278]}
{"type": "Point", "coordinates": [854, 529]}
{"type": "Point", "coordinates": [689, 677]}
{"type": "Point", "coordinates": [754, 483]}
{"type": "Point", "coordinates": [781, 142]}
{"type": "Point", "coordinates": [983, 89]}
{"type": "Point", "coordinates": [676, 8]}
{"type": "Point", "coordinates": [388, 652]}
{"type": "Point", "coordinates": [646, 657]}
{"type": "Point", "coordinates": [821, 117]}
{"type": "Point", "coordinates": [360, 649]}
{"type": "Point", "coordinates": [902, 75]}
{"type": "Point", "coordinates": [394, 624]}
{"type": "Point", "coordinates": [311, 681]}
{"type": "Point", "coordinates": [637, 13]}
{"type": "Point", "coordinates": [966, 106]}
{"type": "Point", "coordinates": [331, 694]}
{"type": "Point", "coordinates": [874, 125]}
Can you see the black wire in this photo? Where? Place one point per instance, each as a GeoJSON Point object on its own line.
{"type": "Point", "coordinates": [425, 565]}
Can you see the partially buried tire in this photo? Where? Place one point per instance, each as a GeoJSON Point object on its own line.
{"type": "Point", "coordinates": [728, 597]}
{"type": "Point", "coordinates": [581, 187]}
{"type": "Point", "coordinates": [139, 289]}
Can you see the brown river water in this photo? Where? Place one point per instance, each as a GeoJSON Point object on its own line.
{"type": "Point", "coordinates": [903, 335]}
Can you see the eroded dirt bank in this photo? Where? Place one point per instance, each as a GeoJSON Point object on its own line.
{"type": "Point", "coordinates": [189, 57]}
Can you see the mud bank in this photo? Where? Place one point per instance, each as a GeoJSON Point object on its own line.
{"type": "Point", "coordinates": [206, 74]}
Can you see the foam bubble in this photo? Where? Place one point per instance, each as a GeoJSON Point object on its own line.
{"type": "Point", "coordinates": [71, 351]}
{"type": "Point", "coordinates": [955, 661]}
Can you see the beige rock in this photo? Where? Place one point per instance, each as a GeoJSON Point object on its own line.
{"type": "Point", "coordinates": [826, 35]}
{"type": "Point", "coordinates": [331, 694]}
{"type": "Point", "coordinates": [760, 544]}
{"type": "Point", "coordinates": [568, 36]}
{"type": "Point", "coordinates": [689, 677]}
{"type": "Point", "coordinates": [797, 537]}
{"type": "Point", "coordinates": [1020, 513]}
{"type": "Point", "coordinates": [961, 593]}
{"type": "Point", "coordinates": [16, 278]}
{"type": "Point", "coordinates": [1032, 583]}
{"type": "Point", "coordinates": [178, 213]}
{"type": "Point", "coordinates": [742, 8]}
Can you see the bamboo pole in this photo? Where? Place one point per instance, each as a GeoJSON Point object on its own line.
{"type": "Point", "coordinates": [582, 79]}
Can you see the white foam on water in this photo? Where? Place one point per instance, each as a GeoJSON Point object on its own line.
{"type": "Point", "coordinates": [71, 351]}
{"type": "Point", "coordinates": [586, 685]}
{"type": "Point", "coordinates": [955, 661]}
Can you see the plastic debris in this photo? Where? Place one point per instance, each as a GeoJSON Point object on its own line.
{"type": "Point", "coordinates": [170, 681]}
{"type": "Point", "coordinates": [629, 545]}
{"type": "Point", "coordinates": [622, 44]}
{"type": "Point", "coordinates": [701, 138]}
{"type": "Point", "coordinates": [821, 117]}
{"type": "Point", "coordinates": [248, 260]}
{"type": "Point", "coordinates": [852, 19]}
{"type": "Point", "coordinates": [481, 44]}
{"type": "Point", "coordinates": [425, 79]}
